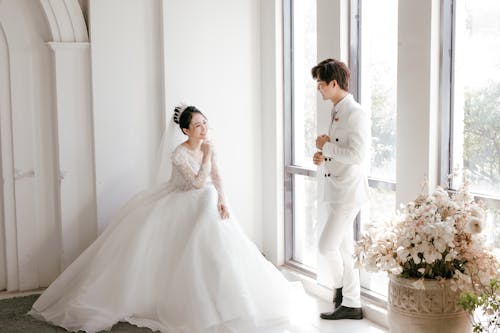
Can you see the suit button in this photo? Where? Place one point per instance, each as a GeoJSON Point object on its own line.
{"type": "Point", "coordinates": [337, 139]}
{"type": "Point", "coordinates": [328, 175]}
{"type": "Point", "coordinates": [326, 159]}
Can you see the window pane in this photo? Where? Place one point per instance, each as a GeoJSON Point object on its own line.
{"type": "Point", "coordinates": [492, 227]}
{"type": "Point", "coordinates": [378, 81]}
{"type": "Point", "coordinates": [305, 233]}
{"type": "Point", "coordinates": [378, 60]}
{"type": "Point", "coordinates": [381, 208]}
{"type": "Point", "coordinates": [304, 87]}
{"type": "Point", "coordinates": [476, 94]}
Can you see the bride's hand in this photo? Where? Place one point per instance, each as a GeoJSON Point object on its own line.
{"type": "Point", "coordinates": [223, 210]}
{"type": "Point", "coordinates": [206, 149]}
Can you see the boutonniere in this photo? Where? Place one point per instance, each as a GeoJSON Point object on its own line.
{"type": "Point", "coordinates": [336, 119]}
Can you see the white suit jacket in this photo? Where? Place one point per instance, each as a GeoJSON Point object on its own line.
{"type": "Point", "coordinates": [345, 167]}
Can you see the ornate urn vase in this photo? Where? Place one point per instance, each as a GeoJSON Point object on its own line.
{"type": "Point", "coordinates": [432, 309]}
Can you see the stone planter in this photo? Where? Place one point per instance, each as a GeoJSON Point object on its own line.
{"type": "Point", "coordinates": [430, 310]}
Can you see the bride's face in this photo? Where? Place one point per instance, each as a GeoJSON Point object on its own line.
{"type": "Point", "coordinates": [198, 128]}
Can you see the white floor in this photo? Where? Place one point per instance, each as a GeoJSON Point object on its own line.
{"type": "Point", "coordinates": [306, 319]}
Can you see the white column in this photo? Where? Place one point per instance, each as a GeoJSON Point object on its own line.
{"type": "Point", "coordinates": [75, 142]}
{"type": "Point", "coordinates": [417, 105]}
{"type": "Point", "coordinates": [272, 130]}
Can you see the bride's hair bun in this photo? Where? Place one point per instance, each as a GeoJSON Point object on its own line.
{"type": "Point", "coordinates": [178, 111]}
{"type": "Point", "coordinates": [183, 114]}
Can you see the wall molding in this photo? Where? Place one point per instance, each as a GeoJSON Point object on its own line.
{"type": "Point", "coordinates": [66, 21]}
{"type": "Point", "coordinates": [47, 216]}
{"type": "Point", "coordinates": [8, 230]}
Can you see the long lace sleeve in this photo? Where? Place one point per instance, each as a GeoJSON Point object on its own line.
{"type": "Point", "coordinates": [216, 179]}
{"type": "Point", "coordinates": [196, 180]}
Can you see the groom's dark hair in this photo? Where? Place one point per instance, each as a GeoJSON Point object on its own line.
{"type": "Point", "coordinates": [332, 69]}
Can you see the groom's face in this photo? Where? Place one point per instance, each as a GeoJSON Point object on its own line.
{"type": "Point", "coordinates": [326, 89]}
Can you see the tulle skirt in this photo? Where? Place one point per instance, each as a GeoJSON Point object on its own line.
{"type": "Point", "coordinates": [168, 262]}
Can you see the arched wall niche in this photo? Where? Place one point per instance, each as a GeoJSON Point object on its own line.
{"type": "Point", "coordinates": [66, 21]}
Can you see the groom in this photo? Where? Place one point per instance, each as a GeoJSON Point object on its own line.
{"type": "Point", "coordinates": [343, 151]}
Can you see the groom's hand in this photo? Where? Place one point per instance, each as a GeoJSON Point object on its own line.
{"type": "Point", "coordinates": [320, 141]}
{"type": "Point", "coordinates": [318, 158]}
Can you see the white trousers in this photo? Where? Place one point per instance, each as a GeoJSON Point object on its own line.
{"type": "Point", "coordinates": [336, 243]}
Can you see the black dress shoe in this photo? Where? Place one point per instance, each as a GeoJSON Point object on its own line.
{"type": "Point", "coordinates": [343, 312]}
{"type": "Point", "coordinates": [337, 298]}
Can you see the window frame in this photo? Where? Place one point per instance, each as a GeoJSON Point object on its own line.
{"type": "Point", "coordinates": [290, 169]}
{"type": "Point", "coordinates": [447, 83]}
{"type": "Point", "coordinates": [355, 51]}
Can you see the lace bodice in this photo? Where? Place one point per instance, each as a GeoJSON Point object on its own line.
{"type": "Point", "coordinates": [188, 174]}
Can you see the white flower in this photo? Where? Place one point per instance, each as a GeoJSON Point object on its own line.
{"type": "Point", "coordinates": [474, 225]}
{"type": "Point", "coordinates": [476, 211]}
{"type": "Point", "coordinates": [431, 255]}
{"type": "Point", "coordinates": [451, 256]}
{"type": "Point", "coordinates": [440, 196]}
{"type": "Point", "coordinates": [428, 232]}
{"type": "Point", "coordinates": [403, 253]}
{"type": "Point", "coordinates": [419, 284]}
{"type": "Point", "coordinates": [416, 258]}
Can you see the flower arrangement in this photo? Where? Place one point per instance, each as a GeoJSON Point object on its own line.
{"type": "Point", "coordinates": [436, 236]}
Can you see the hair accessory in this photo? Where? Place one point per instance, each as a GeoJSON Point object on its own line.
{"type": "Point", "coordinates": [178, 111]}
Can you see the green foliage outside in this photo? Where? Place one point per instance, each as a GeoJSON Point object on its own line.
{"type": "Point", "coordinates": [383, 121]}
{"type": "Point", "coordinates": [482, 143]}
{"type": "Point", "coordinates": [482, 134]}
{"type": "Point", "coordinates": [484, 309]}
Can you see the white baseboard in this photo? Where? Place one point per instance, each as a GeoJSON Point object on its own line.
{"type": "Point", "coordinates": [12, 294]}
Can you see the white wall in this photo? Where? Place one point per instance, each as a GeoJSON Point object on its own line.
{"type": "Point", "coordinates": [127, 97]}
{"type": "Point", "coordinates": [213, 61]}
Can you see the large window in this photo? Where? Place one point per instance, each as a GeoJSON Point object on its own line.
{"type": "Point", "coordinates": [374, 87]}
{"type": "Point", "coordinates": [472, 87]}
{"type": "Point", "coordinates": [377, 94]}
{"type": "Point", "coordinates": [470, 109]}
{"type": "Point", "coordinates": [301, 123]}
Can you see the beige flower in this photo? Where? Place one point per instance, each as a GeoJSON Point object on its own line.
{"type": "Point", "coordinates": [474, 225]}
{"type": "Point", "coordinates": [476, 211]}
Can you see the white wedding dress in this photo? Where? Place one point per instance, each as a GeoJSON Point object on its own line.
{"type": "Point", "coordinates": [170, 263]}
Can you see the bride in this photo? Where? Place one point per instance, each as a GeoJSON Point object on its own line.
{"type": "Point", "coordinates": [173, 259]}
